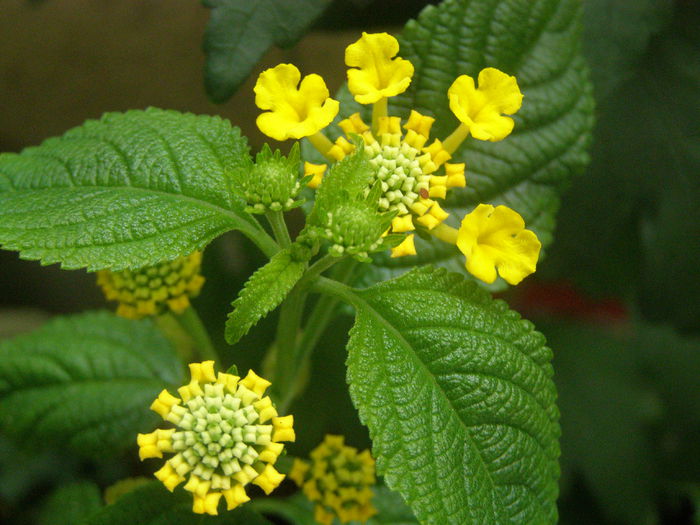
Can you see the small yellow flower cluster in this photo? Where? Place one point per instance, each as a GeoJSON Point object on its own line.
{"type": "Point", "coordinates": [338, 480]}
{"type": "Point", "coordinates": [154, 289]}
{"type": "Point", "coordinates": [407, 165]}
{"type": "Point", "coordinates": [227, 435]}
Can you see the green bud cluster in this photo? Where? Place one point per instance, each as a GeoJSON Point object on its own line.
{"type": "Point", "coordinates": [272, 183]}
{"type": "Point", "coordinates": [352, 228]}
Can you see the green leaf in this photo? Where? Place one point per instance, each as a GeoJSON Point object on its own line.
{"type": "Point", "coordinates": [345, 181]}
{"type": "Point", "coordinates": [85, 382]}
{"type": "Point", "coordinates": [71, 504]}
{"type": "Point", "coordinates": [605, 409]}
{"type": "Point", "coordinates": [240, 31]}
{"type": "Point", "coordinates": [126, 191]}
{"type": "Point", "coordinates": [538, 42]}
{"type": "Point", "coordinates": [458, 396]}
{"type": "Point", "coordinates": [264, 292]}
{"type": "Point", "coordinates": [152, 504]}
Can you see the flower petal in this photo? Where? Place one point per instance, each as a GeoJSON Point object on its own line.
{"type": "Point", "coordinates": [378, 73]}
{"type": "Point", "coordinates": [496, 239]}
{"type": "Point", "coordinates": [295, 110]}
{"type": "Point", "coordinates": [483, 109]}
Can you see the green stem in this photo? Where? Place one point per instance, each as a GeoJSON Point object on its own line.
{"type": "Point", "coordinates": [322, 313]}
{"type": "Point", "coordinates": [336, 289]}
{"type": "Point", "coordinates": [279, 228]}
{"type": "Point", "coordinates": [287, 331]}
{"type": "Point", "coordinates": [262, 240]}
{"type": "Point", "coordinates": [317, 269]}
{"type": "Point", "coordinates": [192, 324]}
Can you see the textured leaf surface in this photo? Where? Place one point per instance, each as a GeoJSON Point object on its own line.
{"type": "Point", "coordinates": [70, 504]}
{"type": "Point", "coordinates": [125, 191]}
{"type": "Point", "coordinates": [84, 381]}
{"type": "Point", "coordinates": [538, 42]}
{"type": "Point", "coordinates": [458, 395]}
{"type": "Point", "coordinates": [152, 504]}
{"type": "Point", "coordinates": [263, 292]}
{"type": "Point", "coordinates": [240, 31]}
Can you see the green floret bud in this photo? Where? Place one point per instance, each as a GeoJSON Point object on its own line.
{"type": "Point", "coordinates": [272, 183]}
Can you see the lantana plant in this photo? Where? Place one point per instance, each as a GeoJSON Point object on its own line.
{"type": "Point", "coordinates": [392, 175]}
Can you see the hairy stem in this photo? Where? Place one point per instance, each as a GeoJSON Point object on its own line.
{"type": "Point", "coordinates": [279, 228]}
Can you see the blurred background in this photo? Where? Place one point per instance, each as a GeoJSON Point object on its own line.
{"type": "Point", "coordinates": [618, 295]}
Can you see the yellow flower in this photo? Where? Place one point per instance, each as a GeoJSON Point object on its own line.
{"type": "Point", "coordinates": [481, 110]}
{"type": "Point", "coordinates": [296, 110]}
{"type": "Point", "coordinates": [413, 170]}
{"type": "Point", "coordinates": [227, 435]}
{"type": "Point", "coordinates": [378, 74]}
{"type": "Point", "coordinates": [496, 239]}
{"type": "Point", "coordinates": [154, 289]}
{"type": "Point", "coordinates": [338, 481]}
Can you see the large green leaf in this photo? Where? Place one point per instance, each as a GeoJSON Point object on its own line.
{"type": "Point", "coordinates": [263, 292]}
{"type": "Point", "coordinates": [458, 396]}
{"type": "Point", "coordinates": [152, 504]}
{"type": "Point", "coordinates": [240, 31]}
{"type": "Point", "coordinates": [85, 381]}
{"type": "Point", "coordinates": [539, 43]}
{"type": "Point", "coordinates": [125, 191]}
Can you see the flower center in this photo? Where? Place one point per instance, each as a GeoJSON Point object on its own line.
{"type": "Point", "coordinates": [220, 434]}
{"type": "Point", "coordinates": [400, 174]}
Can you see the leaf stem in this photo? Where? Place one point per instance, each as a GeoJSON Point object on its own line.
{"type": "Point", "coordinates": [192, 324]}
{"type": "Point", "coordinates": [336, 289]}
{"type": "Point", "coordinates": [279, 228]}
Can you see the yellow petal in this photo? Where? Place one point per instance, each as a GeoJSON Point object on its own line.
{"type": "Point", "coordinates": [378, 74]}
{"type": "Point", "coordinates": [295, 110]}
{"type": "Point", "coordinates": [483, 109]}
{"type": "Point", "coordinates": [407, 247]}
{"type": "Point", "coordinates": [235, 496]}
{"type": "Point", "coordinates": [495, 239]}
{"type": "Point", "coordinates": [269, 479]}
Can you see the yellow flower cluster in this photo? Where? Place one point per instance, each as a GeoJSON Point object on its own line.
{"type": "Point", "coordinates": [411, 170]}
{"type": "Point", "coordinates": [154, 289]}
{"type": "Point", "coordinates": [227, 435]}
{"type": "Point", "coordinates": [338, 481]}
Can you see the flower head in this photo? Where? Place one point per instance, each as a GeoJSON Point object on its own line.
{"type": "Point", "coordinates": [295, 110]}
{"type": "Point", "coordinates": [154, 289]}
{"type": "Point", "coordinates": [338, 481]}
{"type": "Point", "coordinates": [482, 109]}
{"type": "Point", "coordinates": [412, 170]}
{"type": "Point", "coordinates": [227, 435]}
{"type": "Point", "coordinates": [496, 239]}
{"type": "Point", "coordinates": [378, 73]}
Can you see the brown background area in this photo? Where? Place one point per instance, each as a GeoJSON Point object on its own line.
{"type": "Point", "coordinates": [64, 61]}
